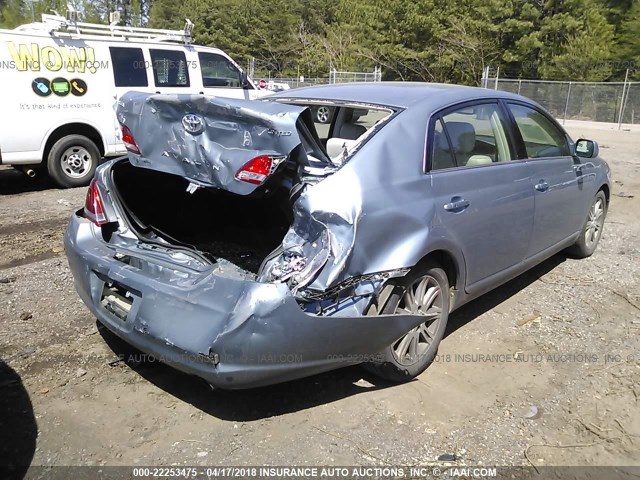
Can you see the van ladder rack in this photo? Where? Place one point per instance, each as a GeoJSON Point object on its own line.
{"type": "Point", "coordinates": [58, 23]}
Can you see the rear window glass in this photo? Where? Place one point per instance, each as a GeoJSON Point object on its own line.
{"type": "Point", "coordinates": [346, 122]}
{"type": "Point", "coordinates": [342, 129]}
{"type": "Point", "coordinates": [169, 68]}
{"type": "Point", "coordinates": [128, 67]}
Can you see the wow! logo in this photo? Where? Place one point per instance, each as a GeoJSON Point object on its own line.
{"type": "Point", "coordinates": [33, 57]}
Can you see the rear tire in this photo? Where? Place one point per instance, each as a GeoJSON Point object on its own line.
{"type": "Point", "coordinates": [423, 291]}
{"type": "Point", "coordinates": [592, 229]}
{"type": "Point", "coordinates": [72, 161]}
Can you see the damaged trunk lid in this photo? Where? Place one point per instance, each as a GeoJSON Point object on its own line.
{"type": "Point", "coordinates": [230, 144]}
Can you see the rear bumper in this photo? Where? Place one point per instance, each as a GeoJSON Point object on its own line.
{"type": "Point", "coordinates": [234, 333]}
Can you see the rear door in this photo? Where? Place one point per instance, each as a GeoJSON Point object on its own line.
{"type": "Point", "coordinates": [484, 201]}
{"type": "Point", "coordinates": [557, 177]}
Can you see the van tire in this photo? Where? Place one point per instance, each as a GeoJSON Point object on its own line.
{"type": "Point", "coordinates": [72, 161]}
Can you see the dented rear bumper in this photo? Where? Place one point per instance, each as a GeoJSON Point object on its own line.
{"type": "Point", "coordinates": [233, 332]}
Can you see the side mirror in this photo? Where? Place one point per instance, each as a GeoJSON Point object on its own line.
{"type": "Point", "coordinates": [244, 81]}
{"type": "Point", "coordinates": [586, 148]}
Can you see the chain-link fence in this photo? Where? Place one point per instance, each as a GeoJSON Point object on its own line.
{"type": "Point", "coordinates": [614, 102]}
{"type": "Point", "coordinates": [300, 81]}
{"type": "Point", "coordinates": [335, 76]}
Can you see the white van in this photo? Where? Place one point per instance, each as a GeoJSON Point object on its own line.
{"type": "Point", "coordinates": [61, 79]}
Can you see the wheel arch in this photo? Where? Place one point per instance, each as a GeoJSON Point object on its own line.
{"type": "Point", "coordinates": [75, 128]}
{"type": "Point", "coordinates": [606, 190]}
{"type": "Point", "coordinates": [451, 265]}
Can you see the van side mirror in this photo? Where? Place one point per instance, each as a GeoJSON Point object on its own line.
{"type": "Point", "coordinates": [586, 148]}
{"type": "Point", "coordinates": [244, 81]}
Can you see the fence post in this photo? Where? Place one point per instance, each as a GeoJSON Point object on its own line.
{"type": "Point", "coordinates": [566, 105]}
{"type": "Point", "coordinates": [485, 77]}
{"type": "Point", "coordinates": [622, 101]}
{"type": "Point", "coordinates": [495, 87]}
{"type": "Point", "coordinates": [519, 85]}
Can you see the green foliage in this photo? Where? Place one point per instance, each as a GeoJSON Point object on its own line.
{"type": "Point", "coordinates": [432, 40]}
{"type": "Point", "coordinates": [628, 41]}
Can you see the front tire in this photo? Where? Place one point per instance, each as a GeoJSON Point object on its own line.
{"type": "Point", "coordinates": [72, 161]}
{"type": "Point", "coordinates": [424, 291]}
{"type": "Point", "coordinates": [592, 229]}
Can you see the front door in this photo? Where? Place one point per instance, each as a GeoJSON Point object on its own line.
{"type": "Point", "coordinates": [556, 177]}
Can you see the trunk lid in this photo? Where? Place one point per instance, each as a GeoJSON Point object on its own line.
{"type": "Point", "coordinates": [207, 140]}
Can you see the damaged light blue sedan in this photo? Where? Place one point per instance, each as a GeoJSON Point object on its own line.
{"type": "Point", "coordinates": [249, 243]}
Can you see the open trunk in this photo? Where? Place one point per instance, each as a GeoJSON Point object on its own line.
{"type": "Point", "coordinates": [220, 176]}
{"type": "Point", "coordinates": [242, 229]}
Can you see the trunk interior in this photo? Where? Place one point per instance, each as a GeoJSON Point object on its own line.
{"type": "Point", "coordinates": [240, 229]}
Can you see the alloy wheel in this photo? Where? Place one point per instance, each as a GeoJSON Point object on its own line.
{"type": "Point", "coordinates": [422, 297]}
{"type": "Point", "coordinates": [595, 223]}
{"type": "Point", "coordinates": [323, 114]}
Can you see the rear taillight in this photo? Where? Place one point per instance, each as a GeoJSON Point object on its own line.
{"type": "Point", "coordinates": [93, 205]}
{"type": "Point", "coordinates": [257, 170]}
{"type": "Point", "coordinates": [128, 140]}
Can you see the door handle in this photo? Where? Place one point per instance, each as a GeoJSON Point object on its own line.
{"type": "Point", "coordinates": [542, 186]}
{"type": "Point", "coordinates": [457, 204]}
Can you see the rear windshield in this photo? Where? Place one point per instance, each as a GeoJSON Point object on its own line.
{"type": "Point", "coordinates": [343, 128]}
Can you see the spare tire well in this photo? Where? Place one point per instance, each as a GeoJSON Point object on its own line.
{"type": "Point", "coordinates": [73, 129]}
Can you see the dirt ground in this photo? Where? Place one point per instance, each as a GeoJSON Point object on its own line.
{"type": "Point", "coordinates": [559, 344]}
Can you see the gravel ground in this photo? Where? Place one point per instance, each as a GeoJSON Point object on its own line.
{"type": "Point", "coordinates": [543, 370]}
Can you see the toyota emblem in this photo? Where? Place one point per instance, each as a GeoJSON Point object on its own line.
{"type": "Point", "coordinates": [192, 123]}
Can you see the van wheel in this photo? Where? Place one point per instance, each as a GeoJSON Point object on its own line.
{"type": "Point", "coordinates": [72, 161]}
{"type": "Point", "coordinates": [424, 291]}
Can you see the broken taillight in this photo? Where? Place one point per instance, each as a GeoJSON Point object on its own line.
{"type": "Point", "coordinates": [256, 170]}
{"type": "Point", "coordinates": [128, 140]}
{"type": "Point", "coordinates": [93, 205]}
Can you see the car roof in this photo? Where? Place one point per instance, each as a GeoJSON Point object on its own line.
{"type": "Point", "coordinates": [396, 94]}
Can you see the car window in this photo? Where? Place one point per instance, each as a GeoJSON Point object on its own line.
{"type": "Point", "coordinates": [218, 71]}
{"type": "Point", "coordinates": [477, 135]}
{"type": "Point", "coordinates": [351, 122]}
{"type": "Point", "coordinates": [368, 117]}
{"type": "Point", "coordinates": [129, 69]}
{"type": "Point", "coordinates": [540, 136]}
{"type": "Point", "coordinates": [441, 156]}
{"type": "Point", "coordinates": [169, 68]}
